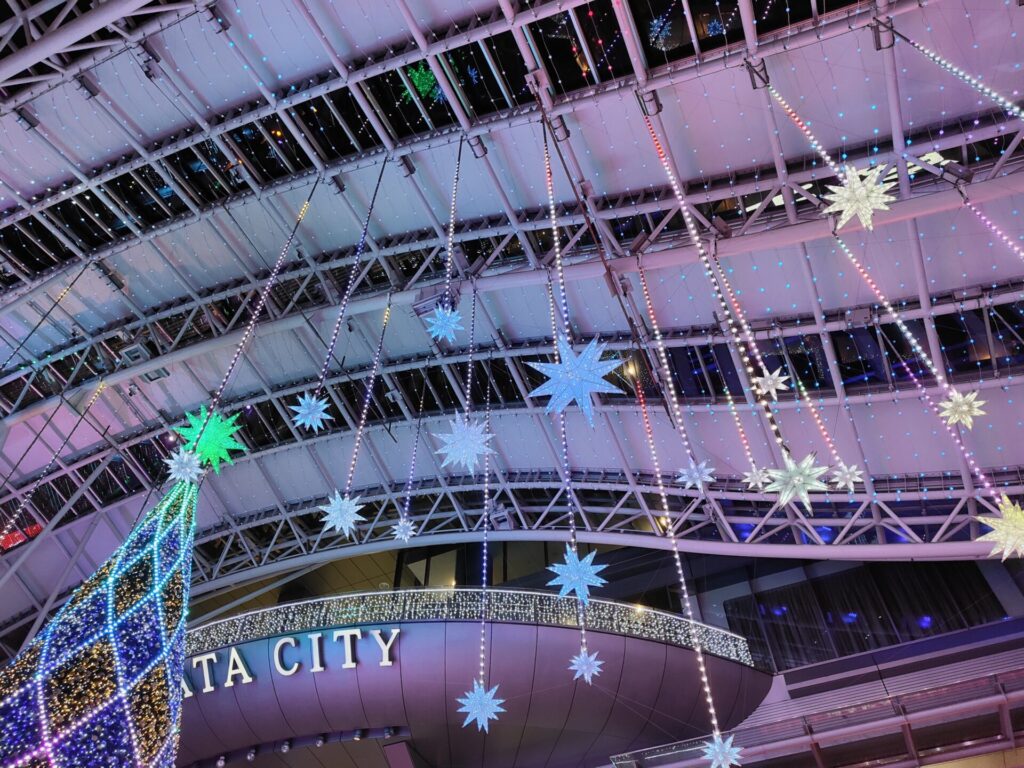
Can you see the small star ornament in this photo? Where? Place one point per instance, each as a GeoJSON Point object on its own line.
{"type": "Point", "coordinates": [847, 477]}
{"type": "Point", "coordinates": [1007, 534]}
{"type": "Point", "coordinates": [796, 479]}
{"type": "Point", "coordinates": [757, 478]}
{"type": "Point", "coordinates": [696, 476]}
{"type": "Point", "coordinates": [310, 413]}
{"type": "Point", "coordinates": [961, 409]}
{"type": "Point", "coordinates": [575, 575]}
{"type": "Point", "coordinates": [585, 665]}
{"type": "Point", "coordinates": [404, 529]}
{"type": "Point", "coordinates": [184, 467]}
{"type": "Point", "coordinates": [480, 706]}
{"type": "Point", "coordinates": [576, 378]}
{"type": "Point", "coordinates": [465, 444]}
{"type": "Point", "coordinates": [342, 514]}
{"type": "Point", "coordinates": [859, 195]}
{"type": "Point", "coordinates": [721, 753]}
{"type": "Point", "coordinates": [444, 323]}
{"type": "Point", "coordinates": [771, 383]}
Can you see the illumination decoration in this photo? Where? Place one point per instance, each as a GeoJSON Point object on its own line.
{"type": "Point", "coordinates": [721, 753]}
{"type": "Point", "coordinates": [404, 529]}
{"type": "Point", "coordinates": [211, 437]}
{"type": "Point", "coordinates": [757, 478]}
{"type": "Point", "coordinates": [715, 27]}
{"type": "Point", "coordinates": [844, 476]}
{"type": "Point", "coordinates": [575, 575]}
{"type": "Point", "coordinates": [444, 323]}
{"type": "Point", "coordinates": [859, 195]}
{"type": "Point", "coordinates": [425, 83]}
{"type": "Point", "coordinates": [311, 412]}
{"type": "Point", "coordinates": [480, 706]}
{"type": "Point", "coordinates": [771, 383]}
{"type": "Point", "coordinates": [697, 475]}
{"type": "Point", "coordinates": [796, 480]}
{"type": "Point", "coordinates": [1007, 534]}
{"type": "Point", "coordinates": [660, 32]}
{"type": "Point", "coordinates": [466, 444]}
{"type": "Point", "coordinates": [342, 513]}
{"type": "Point", "coordinates": [576, 378]}
{"type": "Point", "coordinates": [586, 666]}
{"type": "Point", "coordinates": [101, 685]}
{"type": "Point", "coordinates": [961, 409]}
{"type": "Point", "coordinates": [184, 467]}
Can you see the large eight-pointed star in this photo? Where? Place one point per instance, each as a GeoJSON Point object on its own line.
{"type": "Point", "coordinates": [576, 377]}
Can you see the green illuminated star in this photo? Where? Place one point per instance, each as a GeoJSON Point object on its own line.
{"type": "Point", "coordinates": [213, 443]}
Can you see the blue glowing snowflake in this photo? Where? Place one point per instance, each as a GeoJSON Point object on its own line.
{"type": "Point", "coordinates": [341, 513]}
{"type": "Point", "coordinates": [404, 529]}
{"type": "Point", "coordinates": [311, 413]}
{"type": "Point", "coordinates": [585, 665]}
{"type": "Point", "coordinates": [576, 378]}
{"type": "Point", "coordinates": [465, 444]}
{"type": "Point", "coordinates": [575, 575]}
{"type": "Point", "coordinates": [444, 323]}
{"type": "Point", "coordinates": [473, 74]}
{"type": "Point", "coordinates": [480, 706]}
{"type": "Point", "coordinates": [721, 753]}
{"type": "Point", "coordinates": [715, 27]}
{"type": "Point", "coordinates": [659, 31]}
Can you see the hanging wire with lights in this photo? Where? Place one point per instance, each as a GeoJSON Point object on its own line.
{"type": "Point", "coordinates": [341, 513]}
{"type": "Point", "coordinates": [446, 319]}
{"type": "Point", "coordinates": [101, 684]}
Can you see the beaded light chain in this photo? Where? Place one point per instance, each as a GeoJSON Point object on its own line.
{"type": "Point", "coordinates": [100, 685]}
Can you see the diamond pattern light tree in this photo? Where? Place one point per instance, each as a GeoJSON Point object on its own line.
{"type": "Point", "coordinates": [101, 684]}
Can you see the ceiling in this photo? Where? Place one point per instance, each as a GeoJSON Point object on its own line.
{"type": "Point", "coordinates": [153, 164]}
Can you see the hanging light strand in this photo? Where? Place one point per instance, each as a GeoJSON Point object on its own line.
{"type": "Point", "coordinates": [995, 230]}
{"type": "Point", "coordinates": [470, 361]}
{"type": "Point", "coordinates": [367, 399]}
{"type": "Point", "coordinates": [403, 512]}
{"type": "Point", "coordinates": [730, 319]}
{"type": "Point", "coordinates": [350, 287]}
{"type": "Point", "coordinates": [486, 524]}
{"type": "Point", "coordinates": [915, 345]}
{"type": "Point", "coordinates": [666, 522]}
{"type": "Point", "coordinates": [449, 260]}
{"type": "Point", "coordinates": [560, 417]}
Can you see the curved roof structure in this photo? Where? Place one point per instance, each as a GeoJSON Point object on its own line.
{"type": "Point", "coordinates": [156, 155]}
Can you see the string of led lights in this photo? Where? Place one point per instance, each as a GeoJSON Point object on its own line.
{"type": "Point", "coordinates": [404, 529]}
{"type": "Point", "coordinates": [709, 270]}
{"type": "Point", "coordinates": [449, 257]}
{"type": "Point", "coordinates": [350, 286]}
{"type": "Point", "coordinates": [952, 394]}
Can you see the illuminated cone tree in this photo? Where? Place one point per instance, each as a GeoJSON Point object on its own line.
{"type": "Point", "coordinates": [101, 683]}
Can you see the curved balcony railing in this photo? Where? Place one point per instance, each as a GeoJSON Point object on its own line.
{"type": "Point", "coordinates": [464, 604]}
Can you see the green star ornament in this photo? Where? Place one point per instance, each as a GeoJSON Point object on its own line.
{"type": "Point", "coordinates": [212, 444]}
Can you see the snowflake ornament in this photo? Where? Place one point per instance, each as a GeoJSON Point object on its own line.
{"type": "Point", "coordinates": [184, 467]}
{"type": "Point", "coordinates": [770, 383]}
{"type": "Point", "coordinates": [575, 575]}
{"type": "Point", "coordinates": [311, 413]}
{"type": "Point", "coordinates": [341, 514]}
{"type": "Point", "coordinates": [585, 665]}
{"type": "Point", "coordinates": [444, 323]}
{"type": "Point", "coordinates": [213, 443]}
{"type": "Point", "coordinates": [480, 705]}
{"type": "Point", "coordinates": [465, 444]}
{"type": "Point", "coordinates": [1007, 534]}
{"type": "Point", "coordinates": [859, 195]}
{"type": "Point", "coordinates": [961, 409]}
{"type": "Point", "coordinates": [404, 529]}
{"type": "Point", "coordinates": [721, 753]}
{"type": "Point", "coordinates": [576, 378]}
{"type": "Point", "coordinates": [757, 478]}
{"type": "Point", "coordinates": [847, 476]}
{"type": "Point", "coordinates": [696, 476]}
{"type": "Point", "coordinates": [796, 479]}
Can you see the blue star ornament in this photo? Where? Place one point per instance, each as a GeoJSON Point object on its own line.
{"type": "Point", "coordinates": [721, 753]}
{"type": "Point", "coordinates": [480, 706]}
{"type": "Point", "coordinates": [575, 575]}
{"type": "Point", "coordinates": [465, 444]}
{"type": "Point", "coordinates": [576, 378]}
{"type": "Point", "coordinates": [444, 323]}
{"type": "Point", "coordinates": [342, 513]}
{"type": "Point", "coordinates": [311, 413]}
{"type": "Point", "coordinates": [404, 529]}
{"type": "Point", "coordinates": [585, 665]}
